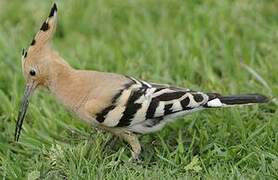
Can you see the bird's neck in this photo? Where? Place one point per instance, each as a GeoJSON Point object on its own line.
{"type": "Point", "coordinates": [64, 83]}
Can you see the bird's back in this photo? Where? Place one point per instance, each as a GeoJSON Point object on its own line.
{"type": "Point", "coordinates": [133, 103]}
{"type": "Point", "coordinates": [125, 102]}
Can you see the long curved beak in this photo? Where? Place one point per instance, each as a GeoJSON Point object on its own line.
{"type": "Point", "coordinates": [29, 88]}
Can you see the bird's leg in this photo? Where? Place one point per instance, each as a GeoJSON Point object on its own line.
{"type": "Point", "coordinates": [129, 137]}
{"type": "Point", "coordinates": [133, 141]}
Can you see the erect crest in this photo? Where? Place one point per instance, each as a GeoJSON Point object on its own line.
{"type": "Point", "coordinates": [45, 34]}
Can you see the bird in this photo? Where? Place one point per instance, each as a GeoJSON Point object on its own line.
{"type": "Point", "coordinates": [125, 106]}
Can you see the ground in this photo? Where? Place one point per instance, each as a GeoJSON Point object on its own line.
{"type": "Point", "coordinates": [214, 46]}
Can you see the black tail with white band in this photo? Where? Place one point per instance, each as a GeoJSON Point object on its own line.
{"type": "Point", "coordinates": [217, 100]}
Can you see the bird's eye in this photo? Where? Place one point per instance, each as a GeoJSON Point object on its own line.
{"type": "Point", "coordinates": [32, 72]}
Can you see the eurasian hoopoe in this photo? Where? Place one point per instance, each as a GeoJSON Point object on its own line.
{"type": "Point", "coordinates": [120, 104]}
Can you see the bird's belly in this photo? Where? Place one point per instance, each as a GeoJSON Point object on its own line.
{"type": "Point", "coordinates": [86, 117]}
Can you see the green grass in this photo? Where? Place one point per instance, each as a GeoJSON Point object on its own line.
{"type": "Point", "coordinates": [219, 46]}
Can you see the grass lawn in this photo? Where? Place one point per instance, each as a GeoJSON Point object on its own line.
{"type": "Point", "coordinates": [214, 46]}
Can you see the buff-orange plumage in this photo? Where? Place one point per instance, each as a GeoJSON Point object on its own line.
{"type": "Point", "coordinates": [122, 105]}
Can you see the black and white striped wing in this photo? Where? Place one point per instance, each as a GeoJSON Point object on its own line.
{"type": "Point", "coordinates": [139, 102]}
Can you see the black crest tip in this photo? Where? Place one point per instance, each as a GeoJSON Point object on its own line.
{"type": "Point", "coordinates": [53, 10]}
{"type": "Point", "coordinates": [33, 42]}
{"type": "Point", "coordinates": [45, 26]}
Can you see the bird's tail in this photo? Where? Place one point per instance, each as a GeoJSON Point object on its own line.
{"type": "Point", "coordinates": [217, 100]}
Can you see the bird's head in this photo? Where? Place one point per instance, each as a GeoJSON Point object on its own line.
{"type": "Point", "coordinates": [36, 62]}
